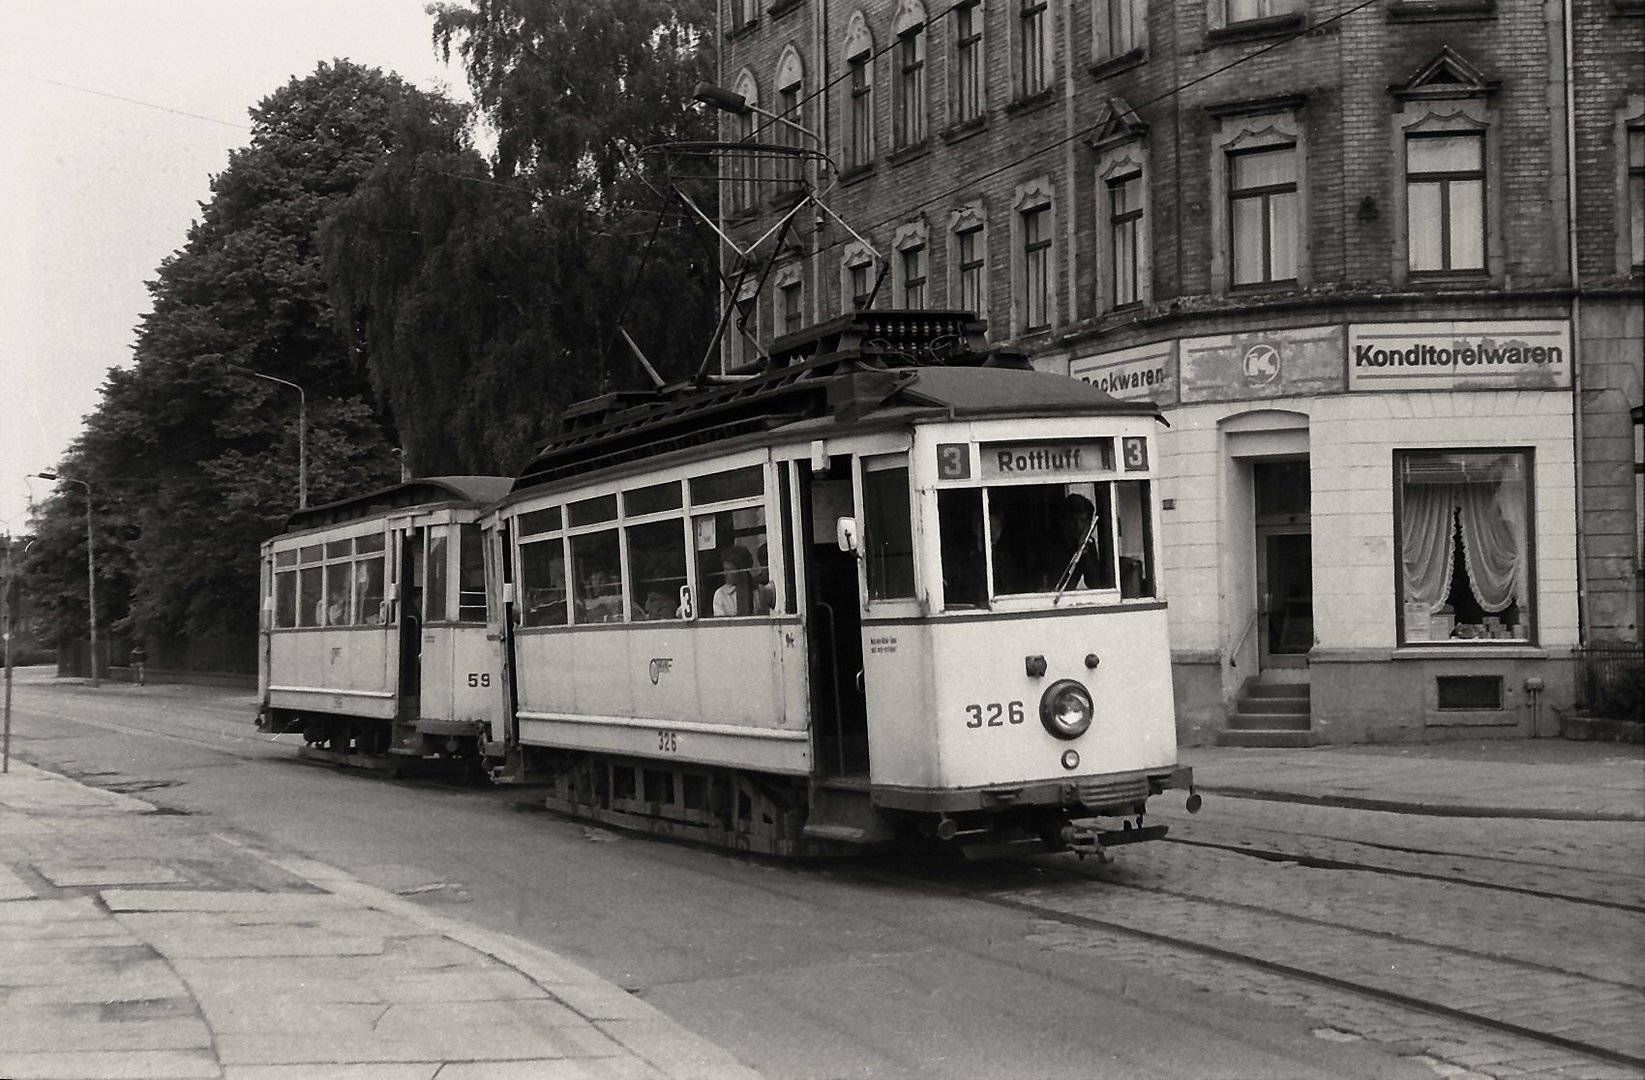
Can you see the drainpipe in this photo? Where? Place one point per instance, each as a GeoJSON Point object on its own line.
{"type": "Point", "coordinates": [1572, 253]}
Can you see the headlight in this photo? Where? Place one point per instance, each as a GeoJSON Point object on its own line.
{"type": "Point", "coordinates": [1066, 709]}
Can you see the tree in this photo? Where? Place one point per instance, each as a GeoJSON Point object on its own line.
{"type": "Point", "coordinates": [488, 295]}
{"type": "Point", "coordinates": [192, 459]}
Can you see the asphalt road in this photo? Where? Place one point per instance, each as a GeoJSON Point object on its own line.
{"type": "Point", "coordinates": [853, 969]}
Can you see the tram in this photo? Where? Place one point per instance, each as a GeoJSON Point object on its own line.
{"type": "Point", "coordinates": [888, 586]}
{"type": "Point", "coordinates": [374, 640]}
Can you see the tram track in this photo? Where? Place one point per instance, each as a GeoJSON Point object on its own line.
{"type": "Point", "coordinates": [1316, 862]}
{"type": "Point", "coordinates": [1022, 887]}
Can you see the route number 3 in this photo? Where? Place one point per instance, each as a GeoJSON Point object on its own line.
{"type": "Point", "coordinates": [994, 714]}
{"type": "Point", "coordinates": [1135, 452]}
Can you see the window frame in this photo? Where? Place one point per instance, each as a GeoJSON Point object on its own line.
{"type": "Point", "coordinates": [1033, 256]}
{"type": "Point", "coordinates": [1526, 456]}
{"type": "Point", "coordinates": [1444, 180]}
{"type": "Point", "coordinates": [970, 88]}
{"type": "Point", "coordinates": [1254, 126]}
{"type": "Point", "coordinates": [910, 70]}
{"type": "Point", "coordinates": [968, 222]}
{"type": "Point", "coordinates": [1263, 196]}
{"type": "Point", "coordinates": [1035, 41]}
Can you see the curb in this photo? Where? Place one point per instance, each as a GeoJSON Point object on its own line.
{"type": "Point", "coordinates": [1392, 806]}
{"type": "Point", "coordinates": [641, 1029]}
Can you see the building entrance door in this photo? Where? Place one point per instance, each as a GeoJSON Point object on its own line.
{"type": "Point", "coordinates": [1285, 564]}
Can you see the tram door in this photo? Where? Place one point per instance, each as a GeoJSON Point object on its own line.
{"type": "Point", "coordinates": [411, 623]}
{"type": "Point", "coordinates": [839, 707]}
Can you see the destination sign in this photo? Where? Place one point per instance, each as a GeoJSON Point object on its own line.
{"type": "Point", "coordinates": [1069, 459]}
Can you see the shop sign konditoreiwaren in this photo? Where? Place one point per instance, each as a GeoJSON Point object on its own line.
{"type": "Point", "coordinates": [1507, 354]}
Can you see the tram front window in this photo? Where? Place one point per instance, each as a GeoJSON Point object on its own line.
{"type": "Point", "coordinates": [1045, 539]}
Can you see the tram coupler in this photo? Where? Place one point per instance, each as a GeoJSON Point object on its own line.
{"type": "Point", "coordinates": [1085, 840]}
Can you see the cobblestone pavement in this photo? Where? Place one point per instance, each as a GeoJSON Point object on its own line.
{"type": "Point", "coordinates": [1551, 964]}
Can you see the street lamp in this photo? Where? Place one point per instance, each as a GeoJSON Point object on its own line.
{"type": "Point", "coordinates": [302, 431]}
{"type": "Point", "coordinates": [91, 568]}
{"type": "Point", "coordinates": [734, 103]}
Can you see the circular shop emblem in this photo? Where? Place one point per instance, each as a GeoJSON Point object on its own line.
{"type": "Point", "coordinates": [1262, 364]}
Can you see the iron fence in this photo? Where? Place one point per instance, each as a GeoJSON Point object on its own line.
{"type": "Point", "coordinates": [1610, 679]}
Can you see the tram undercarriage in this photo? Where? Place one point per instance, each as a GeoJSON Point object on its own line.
{"type": "Point", "coordinates": [391, 747]}
{"type": "Point", "coordinates": [791, 816]}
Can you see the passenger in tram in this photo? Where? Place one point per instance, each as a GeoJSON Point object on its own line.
{"type": "Point", "coordinates": [736, 596]}
{"type": "Point", "coordinates": [1010, 571]}
{"type": "Point", "coordinates": [765, 594]}
{"type": "Point", "coordinates": [1075, 562]}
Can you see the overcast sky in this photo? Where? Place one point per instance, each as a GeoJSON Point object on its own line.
{"type": "Point", "coordinates": [114, 116]}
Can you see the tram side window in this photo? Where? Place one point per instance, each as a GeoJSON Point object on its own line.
{"type": "Point", "coordinates": [339, 587]}
{"type": "Point", "coordinates": [369, 606]}
{"type": "Point", "coordinates": [733, 562]}
{"type": "Point", "coordinates": [656, 568]}
{"type": "Point", "coordinates": [434, 593]}
{"type": "Point", "coordinates": [964, 572]}
{"type": "Point", "coordinates": [471, 575]}
{"type": "Point", "coordinates": [888, 533]}
{"type": "Point", "coordinates": [310, 602]}
{"type": "Point", "coordinates": [368, 591]}
{"type": "Point", "coordinates": [596, 570]}
{"type": "Point", "coordinates": [1136, 539]}
{"type": "Point", "coordinates": [285, 599]}
{"type": "Point", "coordinates": [543, 583]}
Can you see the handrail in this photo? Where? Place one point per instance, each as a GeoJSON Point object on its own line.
{"type": "Point", "coordinates": [1233, 656]}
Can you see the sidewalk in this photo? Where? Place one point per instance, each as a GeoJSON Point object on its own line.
{"type": "Point", "coordinates": [1528, 778]}
{"type": "Point", "coordinates": [124, 954]}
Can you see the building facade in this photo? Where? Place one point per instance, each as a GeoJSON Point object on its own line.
{"type": "Point", "coordinates": [1334, 241]}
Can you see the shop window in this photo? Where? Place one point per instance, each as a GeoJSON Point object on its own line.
{"type": "Point", "coordinates": [1464, 544]}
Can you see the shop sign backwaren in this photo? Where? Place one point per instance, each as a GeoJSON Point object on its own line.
{"type": "Point", "coordinates": [1507, 354]}
{"type": "Point", "coordinates": [1143, 372]}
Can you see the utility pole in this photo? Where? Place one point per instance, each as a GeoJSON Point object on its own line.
{"type": "Point", "coordinates": [8, 602]}
{"type": "Point", "coordinates": [91, 570]}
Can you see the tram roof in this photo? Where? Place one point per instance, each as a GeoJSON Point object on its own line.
{"type": "Point", "coordinates": [859, 370]}
{"type": "Point", "coordinates": [422, 491]}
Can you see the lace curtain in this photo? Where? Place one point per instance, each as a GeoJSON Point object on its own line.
{"type": "Point", "coordinates": [1489, 515]}
{"type": "Point", "coordinates": [1428, 543]}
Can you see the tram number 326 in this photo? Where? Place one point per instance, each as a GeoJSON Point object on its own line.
{"type": "Point", "coordinates": [994, 714]}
